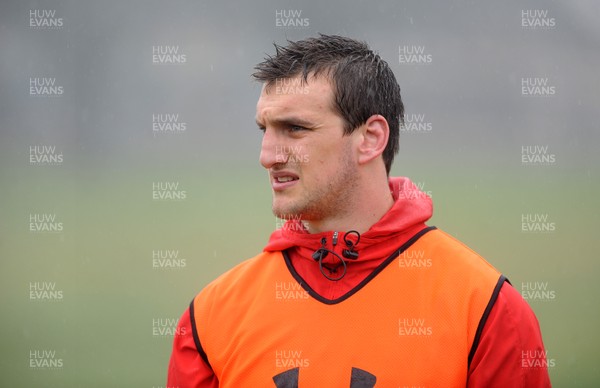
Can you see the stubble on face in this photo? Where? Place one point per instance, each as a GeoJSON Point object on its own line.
{"type": "Point", "coordinates": [332, 198]}
{"type": "Point", "coordinates": [304, 137]}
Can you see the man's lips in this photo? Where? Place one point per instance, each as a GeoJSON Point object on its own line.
{"type": "Point", "coordinates": [281, 180]}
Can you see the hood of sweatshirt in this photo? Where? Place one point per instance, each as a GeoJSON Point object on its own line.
{"type": "Point", "coordinates": [411, 209]}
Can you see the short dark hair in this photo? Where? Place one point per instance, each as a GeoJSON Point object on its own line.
{"type": "Point", "coordinates": [363, 83]}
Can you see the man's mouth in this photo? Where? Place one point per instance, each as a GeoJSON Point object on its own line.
{"type": "Point", "coordinates": [282, 179]}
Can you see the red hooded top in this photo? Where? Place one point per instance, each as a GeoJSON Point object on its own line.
{"type": "Point", "coordinates": [510, 331]}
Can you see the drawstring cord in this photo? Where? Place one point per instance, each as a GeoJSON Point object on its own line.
{"type": "Point", "coordinates": [349, 253]}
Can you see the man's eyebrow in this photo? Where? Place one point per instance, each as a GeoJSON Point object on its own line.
{"type": "Point", "coordinates": [288, 121]}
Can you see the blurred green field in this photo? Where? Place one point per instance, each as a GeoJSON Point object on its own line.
{"type": "Point", "coordinates": [109, 328]}
{"type": "Point", "coordinates": [103, 331]}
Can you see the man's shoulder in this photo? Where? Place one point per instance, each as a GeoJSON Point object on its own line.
{"type": "Point", "coordinates": [448, 249]}
{"type": "Point", "coordinates": [230, 280]}
{"type": "Point", "coordinates": [445, 240]}
{"type": "Point", "coordinates": [249, 265]}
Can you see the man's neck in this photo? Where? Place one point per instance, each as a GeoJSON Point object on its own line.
{"type": "Point", "coordinates": [363, 214]}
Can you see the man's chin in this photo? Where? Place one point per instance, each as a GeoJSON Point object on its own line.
{"type": "Point", "coordinates": [288, 216]}
{"type": "Point", "coordinates": [286, 212]}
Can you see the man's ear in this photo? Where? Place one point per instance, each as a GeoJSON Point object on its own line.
{"type": "Point", "coordinates": [375, 133]}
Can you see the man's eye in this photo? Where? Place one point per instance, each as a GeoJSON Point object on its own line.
{"type": "Point", "coordinates": [296, 128]}
{"type": "Point", "coordinates": [262, 129]}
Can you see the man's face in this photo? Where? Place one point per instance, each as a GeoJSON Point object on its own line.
{"type": "Point", "coordinates": [311, 164]}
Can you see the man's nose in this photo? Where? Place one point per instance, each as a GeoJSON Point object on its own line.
{"type": "Point", "coordinates": [269, 154]}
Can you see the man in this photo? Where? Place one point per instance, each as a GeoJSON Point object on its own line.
{"type": "Point", "coordinates": [354, 290]}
